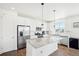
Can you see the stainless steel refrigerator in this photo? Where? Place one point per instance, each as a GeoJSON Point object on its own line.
{"type": "Point", "coordinates": [23, 33]}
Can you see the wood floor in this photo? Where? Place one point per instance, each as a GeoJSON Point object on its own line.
{"type": "Point", "coordinates": [62, 51]}
{"type": "Point", "coordinates": [21, 52]}
{"type": "Point", "coordinates": [10, 53]}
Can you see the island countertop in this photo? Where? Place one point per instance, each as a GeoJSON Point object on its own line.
{"type": "Point", "coordinates": [39, 42]}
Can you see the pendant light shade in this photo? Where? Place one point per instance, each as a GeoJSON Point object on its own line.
{"type": "Point", "coordinates": [42, 13]}
{"type": "Point", "coordinates": [54, 17]}
{"type": "Point", "coordinates": [54, 14]}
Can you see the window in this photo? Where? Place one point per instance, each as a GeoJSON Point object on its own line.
{"type": "Point", "coordinates": [59, 26]}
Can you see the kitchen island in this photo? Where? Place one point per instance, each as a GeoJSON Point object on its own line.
{"type": "Point", "coordinates": [41, 47]}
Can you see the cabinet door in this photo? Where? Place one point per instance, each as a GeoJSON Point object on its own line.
{"type": "Point", "coordinates": [40, 52]}
{"type": "Point", "coordinates": [64, 40]}
{"type": "Point", "coordinates": [47, 50]}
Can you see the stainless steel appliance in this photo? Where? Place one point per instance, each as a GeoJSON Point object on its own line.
{"type": "Point", "coordinates": [23, 33]}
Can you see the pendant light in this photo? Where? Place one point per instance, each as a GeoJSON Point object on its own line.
{"type": "Point", "coordinates": [42, 13]}
{"type": "Point", "coordinates": [54, 17]}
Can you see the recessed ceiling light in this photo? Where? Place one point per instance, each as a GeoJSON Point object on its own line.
{"type": "Point", "coordinates": [13, 8]}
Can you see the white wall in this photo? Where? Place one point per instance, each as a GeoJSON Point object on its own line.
{"type": "Point", "coordinates": [10, 22]}
{"type": "Point", "coordinates": [1, 33]}
{"type": "Point", "coordinates": [7, 41]}
{"type": "Point", "coordinates": [74, 32]}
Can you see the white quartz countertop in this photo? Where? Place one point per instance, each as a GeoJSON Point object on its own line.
{"type": "Point", "coordinates": [39, 42]}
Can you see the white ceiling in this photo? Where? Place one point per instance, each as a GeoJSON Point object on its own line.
{"type": "Point", "coordinates": [34, 10]}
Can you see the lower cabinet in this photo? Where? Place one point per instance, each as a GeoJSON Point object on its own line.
{"type": "Point", "coordinates": [46, 50]}
{"type": "Point", "coordinates": [43, 51]}
{"type": "Point", "coordinates": [64, 40]}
